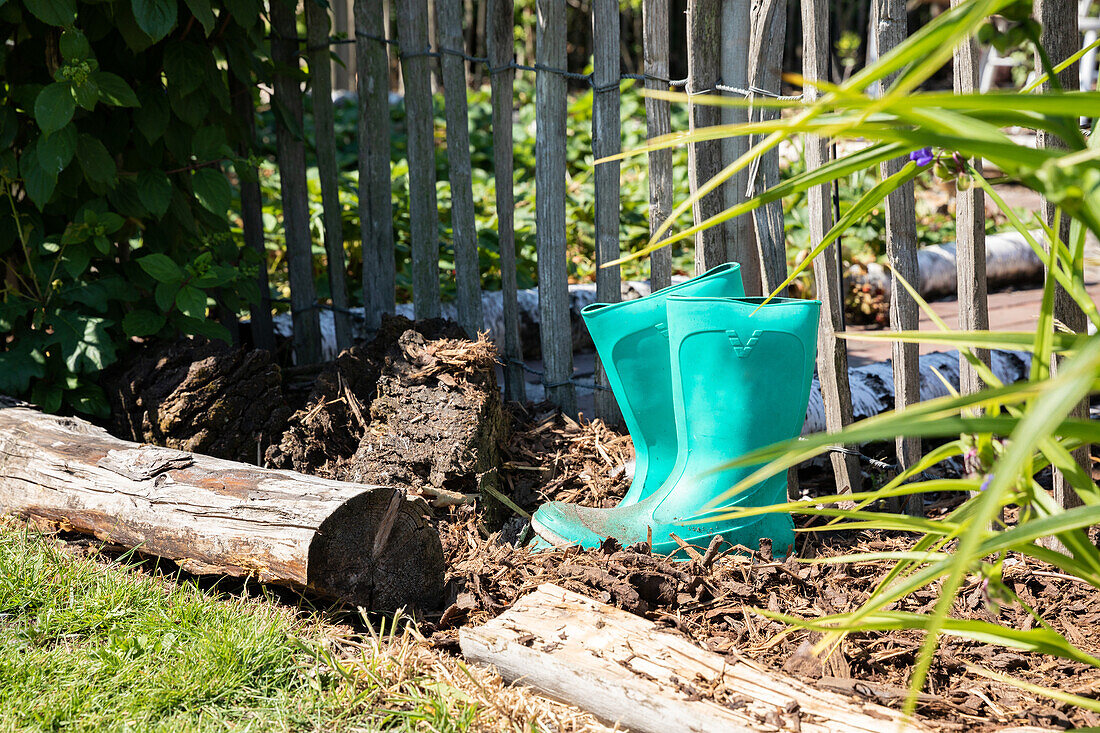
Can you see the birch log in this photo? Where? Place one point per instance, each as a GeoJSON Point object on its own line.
{"type": "Point", "coordinates": [368, 545]}
{"type": "Point", "coordinates": [628, 672]}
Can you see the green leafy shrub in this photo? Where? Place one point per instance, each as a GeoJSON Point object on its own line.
{"type": "Point", "coordinates": [116, 127]}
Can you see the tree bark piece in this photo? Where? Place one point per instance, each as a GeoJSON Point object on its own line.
{"type": "Point", "coordinates": [550, 233]}
{"type": "Point", "coordinates": [291, 157]}
{"type": "Point", "coordinates": [500, 41]}
{"type": "Point", "coordinates": [891, 29]}
{"type": "Point", "coordinates": [324, 134]}
{"type": "Point", "coordinates": [368, 545]}
{"type": "Point", "coordinates": [463, 225]}
{"type": "Point", "coordinates": [628, 672]}
{"type": "Point", "coordinates": [375, 204]}
{"type": "Point", "coordinates": [704, 30]}
{"type": "Point", "coordinates": [1061, 40]}
{"type": "Point", "coordinates": [658, 120]}
{"type": "Point", "coordinates": [606, 140]}
{"type": "Point", "coordinates": [412, 31]}
{"type": "Point", "coordinates": [832, 355]}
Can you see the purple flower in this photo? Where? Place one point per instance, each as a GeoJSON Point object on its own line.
{"type": "Point", "coordinates": [985, 484]}
{"type": "Point", "coordinates": [922, 156]}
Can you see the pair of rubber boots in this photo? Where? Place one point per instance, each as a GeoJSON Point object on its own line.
{"type": "Point", "coordinates": [702, 375]}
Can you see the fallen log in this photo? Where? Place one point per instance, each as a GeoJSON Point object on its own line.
{"type": "Point", "coordinates": [628, 672]}
{"type": "Point", "coordinates": [368, 545]}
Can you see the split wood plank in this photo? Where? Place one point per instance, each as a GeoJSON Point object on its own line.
{"type": "Point", "coordinates": [252, 223]}
{"type": "Point", "coordinates": [345, 52]}
{"type": "Point", "coordinates": [368, 545]}
{"type": "Point", "coordinates": [1060, 38]}
{"type": "Point", "coordinates": [606, 141]}
{"type": "Point", "coordinates": [463, 222]}
{"type": "Point", "coordinates": [740, 246]}
{"type": "Point", "coordinates": [550, 234]}
{"type": "Point", "coordinates": [891, 28]}
{"type": "Point", "coordinates": [324, 131]}
{"type": "Point", "coordinates": [412, 34]}
{"type": "Point", "coordinates": [629, 673]}
{"type": "Point", "coordinates": [500, 43]}
{"type": "Point", "coordinates": [658, 122]}
{"type": "Point", "coordinates": [291, 157]}
{"type": "Point", "coordinates": [375, 192]}
{"type": "Point", "coordinates": [832, 354]}
{"type": "Point", "coordinates": [769, 33]}
{"type": "Point", "coordinates": [704, 32]}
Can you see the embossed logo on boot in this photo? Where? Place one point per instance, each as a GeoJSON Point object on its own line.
{"type": "Point", "coordinates": [662, 328]}
{"type": "Point", "coordinates": [740, 348]}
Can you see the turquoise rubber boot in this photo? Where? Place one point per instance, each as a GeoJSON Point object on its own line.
{"type": "Point", "coordinates": [631, 338]}
{"type": "Point", "coordinates": [741, 381]}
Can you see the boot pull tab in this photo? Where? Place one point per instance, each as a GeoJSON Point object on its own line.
{"type": "Point", "coordinates": [743, 348]}
{"type": "Point", "coordinates": [662, 328]}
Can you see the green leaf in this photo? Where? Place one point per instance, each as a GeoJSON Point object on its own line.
{"type": "Point", "coordinates": [202, 12]}
{"type": "Point", "coordinates": [155, 191]}
{"type": "Point", "coordinates": [76, 260]}
{"type": "Point", "coordinates": [38, 181]}
{"type": "Point", "coordinates": [185, 66]}
{"type": "Point", "coordinates": [53, 12]}
{"type": "Point", "coordinates": [245, 12]}
{"type": "Point", "coordinates": [192, 302]}
{"type": "Point", "coordinates": [213, 191]}
{"type": "Point", "coordinates": [56, 151]}
{"type": "Point", "coordinates": [74, 45]}
{"type": "Point", "coordinates": [142, 323]}
{"type": "Point", "coordinates": [161, 268]}
{"type": "Point", "coordinates": [89, 399]}
{"type": "Point", "coordinates": [95, 161]}
{"type": "Point", "coordinates": [47, 395]}
{"type": "Point", "coordinates": [111, 222]}
{"type": "Point", "coordinates": [165, 295]}
{"type": "Point", "coordinates": [21, 361]}
{"type": "Point", "coordinates": [206, 328]}
{"type": "Point", "coordinates": [9, 126]}
{"type": "Point", "coordinates": [86, 94]}
{"type": "Point", "coordinates": [155, 17]}
{"type": "Point", "coordinates": [152, 116]}
{"type": "Point", "coordinates": [54, 107]}
{"type": "Point", "coordinates": [114, 90]}
{"type": "Point", "coordinates": [208, 142]}
{"type": "Point", "coordinates": [85, 343]}
{"type": "Point", "coordinates": [9, 165]}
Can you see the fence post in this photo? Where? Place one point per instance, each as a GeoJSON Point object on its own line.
{"type": "Point", "coordinates": [832, 355]}
{"type": "Point", "coordinates": [341, 72]}
{"type": "Point", "coordinates": [705, 158]}
{"type": "Point", "coordinates": [1061, 40]}
{"type": "Point", "coordinates": [769, 32]}
{"type": "Point", "coordinates": [375, 191]}
{"type": "Point", "coordinates": [320, 70]}
{"type": "Point", "coordinates": [606, 140]}
{"type": "Point", "coordinates": [412, 33]}
{"type": "Point", "coordinates": [500, 44]}
{"type": "Point", "coordinates": [252, 223]}
{"type": "Point", "coordinates": [550, 120]}
{"type": "Point", "coordinates": [890, 29]}
{"type": "Point", "coordinates": [658, 122]}
{"type": "Point", "coordinates": [735, 72]}
{"type": "Point", "coordinates": [463, 224]}
{"type": "Point", "coordinates": [291, 157]}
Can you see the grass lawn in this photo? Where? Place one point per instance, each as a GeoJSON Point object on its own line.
{"type": "Point", "coordinates": [89, 643]}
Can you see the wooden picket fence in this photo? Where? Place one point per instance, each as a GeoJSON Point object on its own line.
{"type": "Point", "coordinates": [734, 47]}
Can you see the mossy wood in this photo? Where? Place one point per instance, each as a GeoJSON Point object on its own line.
{"type": "Point", "coordinates": [368, 545]}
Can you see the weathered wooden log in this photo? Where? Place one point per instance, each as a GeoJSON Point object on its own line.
{"type": "Point", "coordinates": [368, 545]}
{"type": "Point", "coordinates": [627, 671]}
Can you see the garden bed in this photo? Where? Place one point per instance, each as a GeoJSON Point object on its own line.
{"type": "Point", "coordinates": [478, 461]}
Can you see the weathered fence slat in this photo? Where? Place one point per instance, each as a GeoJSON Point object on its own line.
{"type": "Point", "coordinates": [769, 32]}
{"type": "Point", "coordinates": [1061, 40]}
{"type": "Point", "coordinates": [320, 71]}
{"type": "Point", "coordinates": [550, 122]}
{"type": "Point", "coordinates": [463, 224]}
{"type": "Point", "coordinates": [341, 71]}
{"type": "Point", "coordinates": [252, 222]}
{"type": "Point", "coordinates": [832, 355]}
{"type": "Point", "coordinates": [704, 30]}
{"type": "Point", "coordinates": [500, 44]}
{"type": "Point", "coordinates": [891, 28]}
{"type": "Point", "coordinates": [740, 247]}
{"type": "Point", "coordinates": [658, 122]}
{"type": "Point", "coordinates": [375, 204]}
{"type": "Point", "coordinates": [606, 140]}
{"type": "Point", "coordinates": [412, 33]}
{"type": "Point", "coordinates": [291, 157]}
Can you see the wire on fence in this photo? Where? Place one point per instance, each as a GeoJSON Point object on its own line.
{"type": "Point", "coordinates": [542, 378]}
